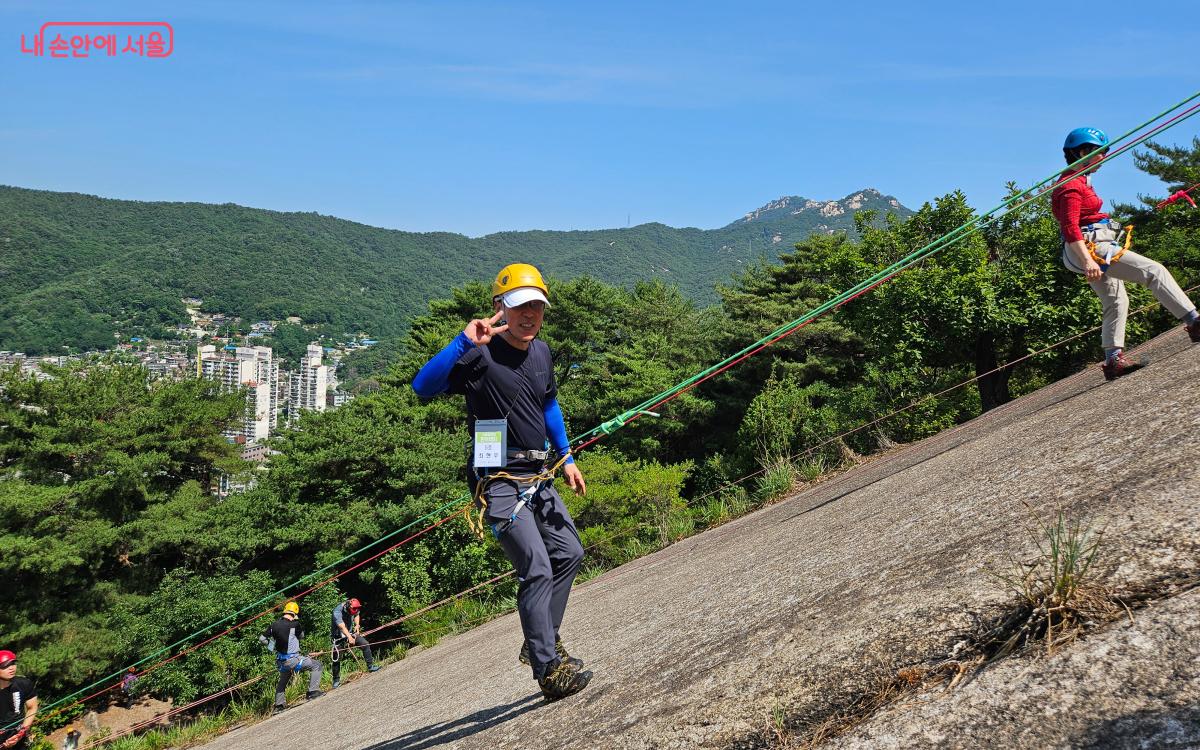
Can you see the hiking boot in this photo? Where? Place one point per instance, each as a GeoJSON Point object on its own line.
{"type": "Point", "coordinates": [278, 709]}
{"type": "Point", "coordinates": [559, 649]}
{"type": "Point", "coordinates": [314, 694]}
{"type": "Point", "coordinates": [374, 668]}
{"type": "Point", "coordinates": [1193, 330]}
{"type": "Point", "coordinates": [336, 684]}
{"type": "Point", "coordinates": [563, 680]}
{"type": "Point", "coordinates": [1120, 365]}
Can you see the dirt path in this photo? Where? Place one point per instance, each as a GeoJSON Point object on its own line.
{"type": "Point", "coordinates": [115, 719]}
{"type": "Point", "coordinates": [697, 645]}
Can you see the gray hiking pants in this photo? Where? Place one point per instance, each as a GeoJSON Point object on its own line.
{"type": "Point", "coordinates": [543, 547]}
{"type": "Point", "coordinates": [297, 663]}
{"type": "Point", "coordinates": [1110, 288]}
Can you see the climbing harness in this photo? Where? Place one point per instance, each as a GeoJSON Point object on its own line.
{"type": "Point", "coordinates": [1103, 234]}
{"type": "Point", "coordinates": [281, 663]}
{"type": "Point", "coordinates": [525, 497]}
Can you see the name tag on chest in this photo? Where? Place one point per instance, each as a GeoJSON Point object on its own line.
{"type": "Point", "coordinates": [491, 443]}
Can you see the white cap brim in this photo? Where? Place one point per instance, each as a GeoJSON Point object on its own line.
{"type": "Point", "coordinates": [518, 297]}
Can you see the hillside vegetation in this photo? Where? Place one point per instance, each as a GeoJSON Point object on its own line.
{"type": "Point", "coordinates": [75, 269]}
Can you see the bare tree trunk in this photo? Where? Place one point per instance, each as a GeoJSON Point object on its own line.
{"type": "Point", "coordinates": [993, 386]}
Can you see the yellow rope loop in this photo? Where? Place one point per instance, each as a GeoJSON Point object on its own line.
{"type": "Point", "coordinates": [1105, 262]}
{"type": "Point", "coordinates": [1128, 242]}
{"type": "Point", "coordinates": [469, 517]}
{"type": "Point", "coordinates": [475, 519]}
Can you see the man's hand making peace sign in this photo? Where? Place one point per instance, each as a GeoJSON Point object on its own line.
{"type": "Point", "coordinates": [481, 330]}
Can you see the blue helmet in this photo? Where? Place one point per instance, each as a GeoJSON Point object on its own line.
{"type": "Point", "coordinates": [1081, 136]}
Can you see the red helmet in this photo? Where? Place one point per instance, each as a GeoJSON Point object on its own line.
{"type": "Point", "coordinates": [354, 605]}
{"type": "Point", "coordinates": [6, 657]}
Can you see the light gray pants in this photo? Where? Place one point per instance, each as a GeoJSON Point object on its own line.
{"type": "Point", "coordinates": [297, 663]}
{"type": "Point", "coordinates": [1110, 288]}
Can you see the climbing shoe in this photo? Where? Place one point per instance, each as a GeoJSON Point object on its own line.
{"type": "Point", "coordinates": [559, 649]}
{"type": "Point", "coordinates": [563, 680]}
{"type": "Point", "coordinates": [1193, 330]}
{"type": "Point", "coordinates": [1120, 365]}
{"type": "Point", "coordinates": [314, 694]}
{"type": "Point", "coordinates": [374, 668]}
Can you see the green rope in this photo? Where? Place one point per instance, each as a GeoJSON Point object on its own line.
{"type": "Point", "coordinates": [620, 420]}
{"type": "Point", "coordinates": [954, 236]}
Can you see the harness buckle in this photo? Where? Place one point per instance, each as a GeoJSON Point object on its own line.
{"type": "Point", "coordinates": [1115, 248]}
{"type": "Point", "coordinates": [528, 455]}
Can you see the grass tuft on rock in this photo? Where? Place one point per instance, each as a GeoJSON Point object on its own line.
{"type": "Point", "coordinates": [1056, 594]}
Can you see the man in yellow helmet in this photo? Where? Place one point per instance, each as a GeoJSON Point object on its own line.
{"type": "Point", "coordinates": [283, 637]}
{"type": "Point", "coordinates": [507, 376]}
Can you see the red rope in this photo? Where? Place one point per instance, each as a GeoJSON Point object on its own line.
{"type": "Point", "coordinates": [1179, 195]}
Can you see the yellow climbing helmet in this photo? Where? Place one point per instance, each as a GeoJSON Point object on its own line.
{"type": "Point", "coordinates": [291, 608]}
{"type": "Point", "coordinates": [519, 276]}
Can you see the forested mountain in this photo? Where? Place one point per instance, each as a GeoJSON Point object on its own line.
{"type": "Point", "coordinates": [76, 269]}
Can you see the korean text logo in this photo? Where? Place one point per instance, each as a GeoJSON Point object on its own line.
{"type": "Point", "coordinates": [74, 40]}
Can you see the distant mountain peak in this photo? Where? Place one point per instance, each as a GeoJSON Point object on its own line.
{"type": "Point", "coordinates": [795, 205]}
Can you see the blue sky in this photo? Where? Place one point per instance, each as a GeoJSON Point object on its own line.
{"type": "Point", "coordinates": [482, 117]}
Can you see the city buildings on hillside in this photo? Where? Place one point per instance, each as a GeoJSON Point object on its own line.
{"type": "Point", "coordinates": [270, 391]}
{"type": "Point", "coordinates": [309, 386]}
{"type": "Point", "coordinates": [250, 367]}
{"type": "Point", "coordinates": [31, 366]}
{"type": "Point", "coordinates": [234, 360]}
{"type": "Point", "coordinates": [255, 453]}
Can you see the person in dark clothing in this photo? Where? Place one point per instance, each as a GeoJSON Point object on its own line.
{"type": "Point", "coordinates": [127, 684]}
{"type": "Point", "coordinates": [283, 637]}
{"type": "Point", "coordinates": [507, 376]}
{"type": "Point", "coordinates": [71, 741]}
{"type": "Point", "coordinates": [345, 637]}
{"type": "Point", "coordinates": [18, 704]}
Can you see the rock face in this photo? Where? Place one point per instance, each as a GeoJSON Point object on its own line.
{"type": "Point", "coordinates": [1135, 685]}
{"type": "Point", "coordinates": [794, 609]}
{"type": "Point", "coordinates": [798, 205]}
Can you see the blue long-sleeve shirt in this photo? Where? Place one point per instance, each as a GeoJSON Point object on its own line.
{"type": "Point", "coordinates": [461, 367]}
{"type": "Point", "coordinates": [434, 377]}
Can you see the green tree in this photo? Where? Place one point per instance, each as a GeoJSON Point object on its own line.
{"type": "Point", "coordinates": [87, 456]}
